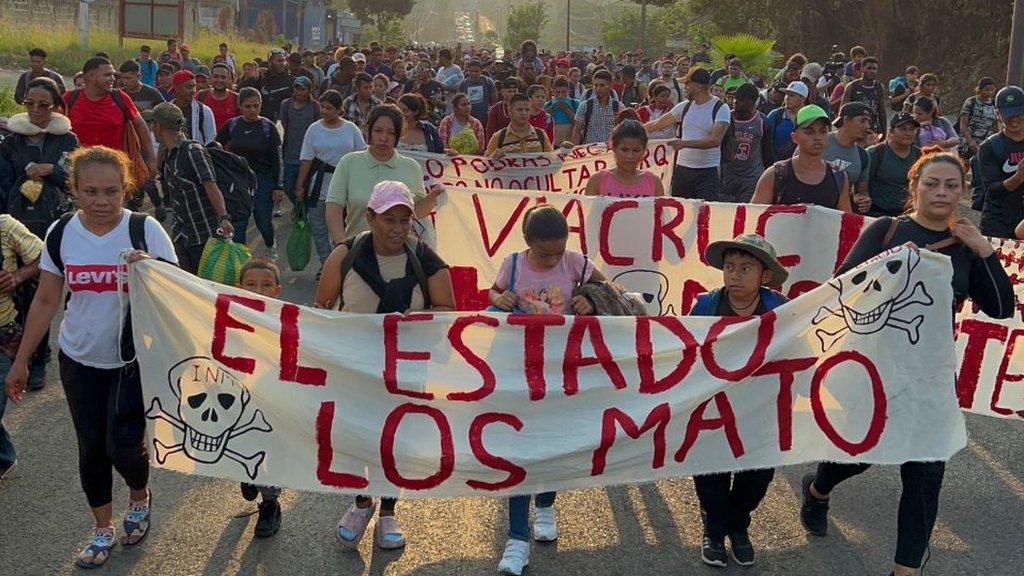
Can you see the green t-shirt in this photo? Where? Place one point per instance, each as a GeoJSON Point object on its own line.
{"type": "Point", "coordinates": [887, 185]}
{"type": "Point", "coordinates": [728, 82]}
{"type": "Point", "coordinates": [355, 177]}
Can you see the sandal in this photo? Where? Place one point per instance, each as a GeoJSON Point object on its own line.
{"type": "Point", "coordinates": [136, 522]}
{"type": "Point", "coordinates": [353, 524]}
{"type": "Point", "coordinates": [96, 553]}
{"type": "Point", "coordinates": [388, 533]}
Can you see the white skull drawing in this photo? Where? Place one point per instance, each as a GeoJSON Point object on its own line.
{"type": "Point", "coordinates": [211, 401]}
{"type": "Point", "coordinates": [867, 298]}
{"type": "Point", "coordinates": [652, 286]}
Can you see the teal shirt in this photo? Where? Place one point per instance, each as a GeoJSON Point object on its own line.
{"type": "Point", "coordinates": [355, 177]}
{"type": "Point", "coordinates": [888, 182]}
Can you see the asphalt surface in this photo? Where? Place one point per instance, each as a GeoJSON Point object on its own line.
{"type": "Point", "coordinates": [641, 530]}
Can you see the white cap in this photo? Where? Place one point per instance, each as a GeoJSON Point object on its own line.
{"type": "Point", "coordinates": [359, 57]}
{"type": "Point", "coordinates": [799, 88]}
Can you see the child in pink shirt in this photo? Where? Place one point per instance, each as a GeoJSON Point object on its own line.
{"type": "Point", "coordinates": [626, 180]}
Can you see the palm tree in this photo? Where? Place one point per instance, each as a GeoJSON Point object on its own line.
{"type": "Point", "coordinates": [758, 55]}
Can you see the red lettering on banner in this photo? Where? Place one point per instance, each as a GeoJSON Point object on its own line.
{"type": "Point", "coordinates": [849, 231]}
{"type": "Point", "coordinates": [290, 369]}
{"type": "Point", "coordinates": [765, 331]}
{"type": "Point", "coordinates": [691, 289]}
{"type": "Point", "coordinates": [325, 453]}
{"type": "Point", "coordinates": [614, 418]}
{"type": "Point", "coordinates": [387, 448]}
{"type": "Point", "coordinates": [392, 355]}
{"type": "Point", "coordinates": [703, 231]}
{"type": "Point", "coordinates": [649, 384]}
{"type": "Point", "coordinates": [801, 287]}
{"type": "Point", "coordinates": [222, 321]}
{"type": "Point", "coordinates": [726, 421]}
{"type": "Point", "coordinates": [516, 474]}
{"type": "Point", "coordinates": [786, 369]}
{"type": "Point", "coordinates": [879, 410]}
{"type": "Point", "coordinates": [664, 229]}
{"type": "Point", "coordinates": [517, 213]}
{"type": "Point", "coordinates": [580, 226]}
{"type": "Point", "coordinates": [770, 212]}
{"type": "Point", "coordinates": [433, 168]}
{"type": "Point", "coordinates": [533, 348]}
{"type": "Point", "coordinates": [574, 358]}
{"type": "Point", "coordinates": [472, 358]}
{"type": "Point", "coordinates": [739, 220]}
{"type": "Point", "coordinates": [467, 295]}
{"type": "Point", "coordinates": [606, 225]}
{"type": "Point", "coordinates": [457, 163]}
{"type": "Point", "coordinates": [1004, 375]}
{"type": "Point", "coordinates": [978, 332]}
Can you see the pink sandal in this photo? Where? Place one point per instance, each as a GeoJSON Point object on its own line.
{"type": "Point", "coordinates": [388, 533]}
{"type": "Point", "coordinates": [353, 524]}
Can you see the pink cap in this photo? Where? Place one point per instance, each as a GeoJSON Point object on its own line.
{"type": "Point", "coordinates": [388, 194]}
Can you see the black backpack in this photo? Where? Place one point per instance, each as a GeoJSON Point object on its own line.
{"type": "Point", "coordinates": [728, 140]}
{"type": "Point", "coordinates": [37, 216]}
{"type": "Point", "coordinates": [412, 246]}
{"type": "Point", "coordinates": [236, 180]}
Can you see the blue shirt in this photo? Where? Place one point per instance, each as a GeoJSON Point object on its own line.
{"type": "Point", "coordinates": [782, 133]}
{"type": "Point", "coordinates": [148, 69]}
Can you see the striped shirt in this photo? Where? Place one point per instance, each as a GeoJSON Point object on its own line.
{"type": "Point", "coordinates": [185, 169]}
{"type": "Point", "coordinates": [17, 244]}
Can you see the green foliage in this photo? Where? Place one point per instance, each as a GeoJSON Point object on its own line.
{"type": "Point", "coordinates": [67, 57]}
{"type": "Point", "coordinates": [384, 13]}
{"type": "Point", "coordinates": [758, 55]}
{"type": "Point", "coordinates": [526, 22]}
{"type": "Point", "coordinates": [8, 107]}
{"type": "Point", "coordinates": [620, 33]}
{"type": "Point", "coordinates": [680, 23]}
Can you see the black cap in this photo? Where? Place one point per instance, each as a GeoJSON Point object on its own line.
{"type": "Point", "coordinates": [699, 76]}
{"type": "Point", "coordinates": [852, 110]}
{"type": "Point", "coordinates": [901, 118]}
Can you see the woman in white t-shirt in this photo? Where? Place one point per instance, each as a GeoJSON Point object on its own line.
{"type": "Point", "coordinates": [101, 380]}
{"type": "Point", "coordinates": [326, 141]}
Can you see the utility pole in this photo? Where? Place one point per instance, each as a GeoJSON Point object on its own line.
{"type": "Point", "coordinates": [83, 22]}
{"type": "Point", "coordinates": [643, 23]}
{"type": "Point", "coordinates": [1015, 64]}
{"type": "Point", "coordinates": [568, 12]}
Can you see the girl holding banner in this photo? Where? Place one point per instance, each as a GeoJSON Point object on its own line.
{"type": "Point", "coordinates": [382, 271]}
{"type": "Point", "coordinates": [937, 182]}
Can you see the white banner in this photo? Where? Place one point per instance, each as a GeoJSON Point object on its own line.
{"type": "Point", "coordinates": [656, 247]}
{"type": "Point", "coordinates": [457, 404]}
{"type": "Point", "coordinates": [565, 171]}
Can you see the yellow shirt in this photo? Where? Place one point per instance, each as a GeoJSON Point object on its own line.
{"type": "Point", "coordinates": [16, 244]}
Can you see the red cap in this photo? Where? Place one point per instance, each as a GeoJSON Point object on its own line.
{"type": "Point", "coordinates": [562, 62]}
{"type": "Point", "coordinates": [180, 77]}
{"type": "Point", "coordinates": [184, 47]}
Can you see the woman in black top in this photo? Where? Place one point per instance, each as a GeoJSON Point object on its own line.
{"type": "Point", "coordinates": [937, 181]}
{"type": "Point", "coordinates": [256, 139]}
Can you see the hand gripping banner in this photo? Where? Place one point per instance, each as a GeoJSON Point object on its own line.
{"type": "Point", "coordinates": [466, 404]}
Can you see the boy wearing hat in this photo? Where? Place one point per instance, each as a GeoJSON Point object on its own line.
{"type": "Point", "coordinates": [749, 265]}
{"type": "Point", "coordinates": [998, 166]}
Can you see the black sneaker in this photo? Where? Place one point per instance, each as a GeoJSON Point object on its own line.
{"type": "Point", "coordinates": [742, 549]}
{"type": "Point", "coordinates": [36, 377]}
{"type": "Point", "coordinates": [250, 491]}
{"type": "Point", "coordinates": [712, 552]}
{"type": "Point", "coordinates": [5, 468]}
{"type": "Point", "coordinates": [269, 520]}
{"type": "Point", "coordinates": [813, 512]}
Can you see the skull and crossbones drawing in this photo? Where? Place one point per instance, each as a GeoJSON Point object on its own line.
{"type": "Point", "coordinates": [866, 304]}
{"type": "Point", "coordinates": [211, 403]}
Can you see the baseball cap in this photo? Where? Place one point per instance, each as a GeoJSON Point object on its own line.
{"type": "Point", "coordinates": [202, 71]}
{"type": "Point", "coordinates": [359, 57]}
{"type": "Point", "coordinates": [797, 87]}
{"type": "Point", "coordinates": [165, 69]}
{"type": "Point", "coordinates": [181, 76]}
{"type": "Point", "coordinates": [699, 76]}
{"type": "Point", "coordinates": [812, 71]}
{"type": "Point", "coordinates": [853, 110]}
{"type": "Point", "coordinates": [184, 47]}
{"type": "Point", "coordinates": [388, 194]}
{"type": "Point", "coordinates": [810, 114]}
{"type": "Point", "coordinates": [1010, 101]}
{"type": "Point", "coordinates": [562, 62]}
{"type": "Point", "coordinates": [901, 118]}
{"type": "Point", "coordinates": [169, 115]}
{"type": "Point", "coordinates": [302, 81]}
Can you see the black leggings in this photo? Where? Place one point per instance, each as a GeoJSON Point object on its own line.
{"type": "Point", "coordinates": [728, 507]}
{"type": "Point", "coordinates": [919, 502]}
{"type": "Point", "coordinates": [106, 408]}
{"type": "Point", "coordinates": [386, 504]}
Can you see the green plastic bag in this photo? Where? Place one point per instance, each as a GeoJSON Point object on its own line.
{"type": "Point", "coordinates": [300, 241]}
{"type": "Point", "coordinates": [222, 260]}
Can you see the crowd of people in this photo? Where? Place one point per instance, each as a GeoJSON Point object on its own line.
{"type": "Point", "coordinates": [217, 145]}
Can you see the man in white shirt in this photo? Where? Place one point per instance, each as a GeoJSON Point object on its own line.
{"type": "Point", "coordinates": [705, 120]}
{"type": "Point", "coordinates": [200, 125]}
{"type": "Point", "coordinates": [449, 75]}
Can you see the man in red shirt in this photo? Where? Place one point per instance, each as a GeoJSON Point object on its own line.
{"type": "Point", "coordinates": [98, 120]}
{"type": "Point", "coordinates": [220, 98]}
{"type": "Point", "coordinates": [498, 115]}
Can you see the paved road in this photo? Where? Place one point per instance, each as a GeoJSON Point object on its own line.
{"type": "Point", "coordinates": [637, 530]}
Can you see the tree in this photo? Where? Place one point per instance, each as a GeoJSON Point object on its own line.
{"type": "Point", "coordinates": [620, 32]}
{"type": "Point", "coordinates": [383, 13]}
{"type": "Point", "coordinates": [757, 54]}
{"type": "Point", "coordinates": [641, 40]}
{"type": "Point", "coordinates": [525, 22]}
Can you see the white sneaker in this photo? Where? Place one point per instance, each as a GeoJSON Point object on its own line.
{"type": "Point", "coordinates": [515, 558]}
{"type": "Point", "coordinates": [545, 526]}
{"type": "Point", "coordinates": [272, 253]}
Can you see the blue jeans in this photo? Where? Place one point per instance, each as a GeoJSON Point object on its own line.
{"type": "Point", "coordinates": [291, 176]}
{"type": "Point", "coordinates": [263, 207]}
{"type": "Point", "coordinates": [318, 226]}
{"type": "Point", "coordinates": [7, 453]}
{"type": "Point", "coordinates": [519, 514]}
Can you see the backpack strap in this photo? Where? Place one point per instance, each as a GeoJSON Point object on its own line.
{"type": "Point", "coordinates": [121, 105]}
{"type": "Point", "coordinates": [894, 223]}
{"type": "Point", "coordinates": [348, 261]}
{"type": "Point", "coordinates": [501, 137]}
{"type": "Point", "coordinates": [679, 125]}
{"type": "Point", "coordinates": [75, 94]}
{"type": "Point", "coordinates": [55, 238]}
{"type": "Point", "coordinates": [411, 246]}
{"type": "Point", "coordinates": [782, 168]}
{"type": "Point", "coordinates": [512, 274]}
{"type": "Point", "coordinates": [137, 230]}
